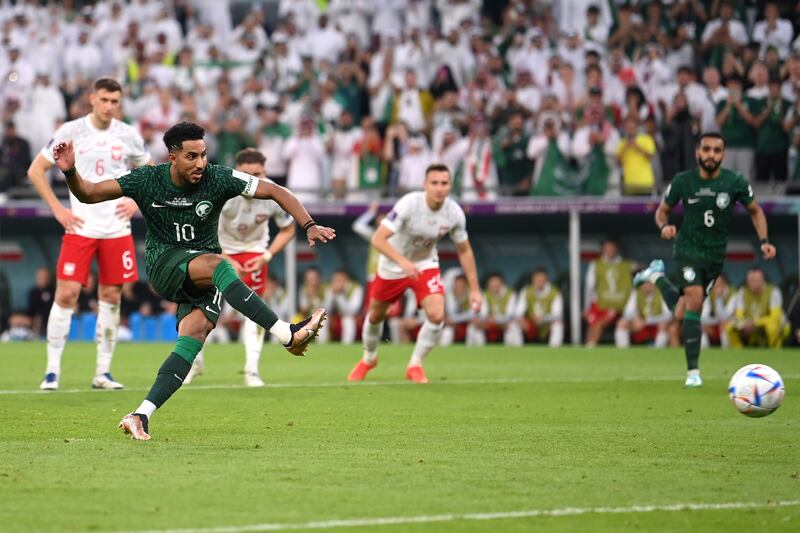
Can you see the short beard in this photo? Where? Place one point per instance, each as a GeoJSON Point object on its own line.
{"type": "Point", "coordinates": [704, 167]}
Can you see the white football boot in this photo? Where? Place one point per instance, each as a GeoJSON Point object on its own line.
{"type": "Point", "coordinates": [105, 381]}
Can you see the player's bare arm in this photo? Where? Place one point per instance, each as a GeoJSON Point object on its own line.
{"type": "Point", "coordinates": [289, 203]}
{"type": "Point", "coordinates": [284, 237]}
{"type": "Point", "coordinates": [768, 250]}
{"type": "Point", "coordinates": [668, 230]}
{"type": "Point", "coordinates": [467, 259]}
{"type": "Point", "coordinates": [380, 240]}
{"type": "Point", "coordinates": [85, 191]}
{"type": "Point", "coordinates": [37, 173]}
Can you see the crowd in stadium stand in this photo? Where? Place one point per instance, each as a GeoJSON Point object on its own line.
{"type": "Point", "coordinates": [351, 99]}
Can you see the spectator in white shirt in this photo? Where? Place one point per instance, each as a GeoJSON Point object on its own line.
{"type": "Point", "coordinates": [305, 154]}
{"type": "Point", "coordinates": [725, 31]}
{"type": "Point", "coordinates": [82, 61]}
{"type": "Point", "coordinates": [17, 73]}
{"type": "Point", "coordinates": [414, 105]}
{"type": "Point", "coordinates": [773, 31]}
{"type": "Point", "coordinates": [342, 148]}
{"type": "Point", "coordinates": [304, 12]}
{"type": "Point", "coordinates": [712, 80]}
{"type": "Point", "coordinates": [250, 25]}
{"type": "Point", "coordinates": [791, 87]}
{"type": "Point", "coordinates": [596, 29]}
{"type": "Point", "coordinates": [327, 41]}
{"type": "Point", "coordinates": [352, 16]}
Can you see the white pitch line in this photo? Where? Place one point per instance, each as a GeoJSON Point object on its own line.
{"type": "Point", "coordinates": [339, 384]}
{"type": "Point", "coordinates": [532, 513]}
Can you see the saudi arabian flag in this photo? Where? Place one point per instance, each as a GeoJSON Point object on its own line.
{"type": "Point", "coordinates": [560, 176]}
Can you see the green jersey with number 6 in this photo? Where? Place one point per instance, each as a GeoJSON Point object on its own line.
{"type": "Point", "coordinates": [707, 209]}
{"type": "Point", "coordinates": [183, 218]}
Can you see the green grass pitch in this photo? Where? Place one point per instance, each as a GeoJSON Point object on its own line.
{"type": "Point", "coordinates": [571, 439]}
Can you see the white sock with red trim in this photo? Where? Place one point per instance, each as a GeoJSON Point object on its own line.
{"type": "Point", "coordinates": [106, 335]}
{"type": "Point", "coordinates": [57, 332]}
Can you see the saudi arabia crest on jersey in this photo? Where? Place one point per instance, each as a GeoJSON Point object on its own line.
{"type": "Point", "coordinates": [723, 199]}
{"type": "Point", "coordinates": [203, 208]}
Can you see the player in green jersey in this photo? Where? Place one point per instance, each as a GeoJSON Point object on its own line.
{"type": "Point", "coordinates": [709, 194]}
{"type": "Point", "coordinates": [181, 203]}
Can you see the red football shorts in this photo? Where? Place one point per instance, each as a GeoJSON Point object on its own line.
{"type": "Point", "coordinates": [646, 334]}
{"type": "Point", "coordinates": [116, 259]}
{"type": "Point", "coordinates": [596, 314]}
{"type": "Point", "coordinates": [390, 290]}
{"type": "Point", "coordinates": [256, 280]}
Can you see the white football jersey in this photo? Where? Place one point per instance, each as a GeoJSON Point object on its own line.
{"type": "Point", "coordinates": [417, 228]}
{"type": "Point", "coordinates": [244, 224]}
{"type": "Point", "coordinates": [100, 155]}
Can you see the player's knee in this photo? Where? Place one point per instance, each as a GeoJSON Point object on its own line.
{"type": "Point", "coordinates": [66, 296]}
{"type": "Point", "coordinates": [213, 260]}
{"type": "Point", "coordinates": [436, 316]}
{"type": "Point", "coordinates": [110, 293]}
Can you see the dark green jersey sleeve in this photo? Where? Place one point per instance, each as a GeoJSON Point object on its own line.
{"type": "Point", "coordinates": [674, 191]}
{"type": "Point", "coordinates": [235, 182]}
{"type": "Point", "coordinates": [743, 191]}
{"type": "Point", "coordinates": [131, 181]}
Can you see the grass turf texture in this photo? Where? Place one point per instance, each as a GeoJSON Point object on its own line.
{"type": "Point", "coordinates": [496, 430]}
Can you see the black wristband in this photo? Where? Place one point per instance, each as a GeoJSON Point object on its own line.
{"type": "Point", "coordinates": [764, 241]}
{"type": "Point", "coordinates": [662, 226]}
{"type": "Point", "coordinates": [309, 224]}
{"type": "Point", "coordinates": [70, 172]}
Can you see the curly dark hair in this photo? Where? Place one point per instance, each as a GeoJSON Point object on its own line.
{"type": "Point", "coordinates": [182, 131]}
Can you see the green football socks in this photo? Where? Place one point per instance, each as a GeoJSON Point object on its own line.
{"type": "Point", "coordinates": [692, 332]}
{"type": "Point", "coordinates": [669, 292]}
{"type": "Point", "coordinates": [241, 297]}
{"type": "Point", "coordinates": [174, 370]}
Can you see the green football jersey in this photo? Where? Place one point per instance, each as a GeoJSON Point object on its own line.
{"type": "Point", "coordinates": [707, 209]}
{"type": "Point", "coordinates": [183, 218]}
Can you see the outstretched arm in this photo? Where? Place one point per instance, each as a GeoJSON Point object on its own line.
{"type": "Point", "coordinates": [467, 259]}
{"type": "Point", "coordinates": [85, 191]}
{"type": "Point", "coordinates": [271, 191]}
{"type": "Point", "coordinates": [760, 223]}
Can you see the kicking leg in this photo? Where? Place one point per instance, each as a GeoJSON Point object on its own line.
{"type": "Point", "coordinates": [210, 270]}
{"type": "Point", "coordinates": [192, 332]}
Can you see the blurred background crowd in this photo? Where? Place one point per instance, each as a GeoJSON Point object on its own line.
{"type": "Point", "coordinates": [351, 99]}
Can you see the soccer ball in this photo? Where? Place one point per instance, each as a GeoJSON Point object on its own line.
{"type": "Point", "coordinates": [756, 390]}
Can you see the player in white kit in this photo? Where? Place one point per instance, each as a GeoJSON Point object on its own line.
{"type": "Point", "coordinates": [244, 238]}
{"type": "Point", "coordinates": [407, 239]}
{"type": "Point", "coordinates": [104, 147]}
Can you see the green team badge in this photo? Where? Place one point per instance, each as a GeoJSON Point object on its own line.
{"type": "Point", "coordinates": [203, 208]}
{"type": "Point", "coordinates": [688, 273]}
{"type": "Point", "coordinates": [723, 199]}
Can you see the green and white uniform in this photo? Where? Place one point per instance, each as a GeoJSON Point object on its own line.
{"type": "Point", "coordinates": [702, 239]}
{"type": "Point", "coordinates": [182, 224]}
